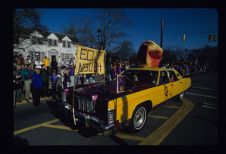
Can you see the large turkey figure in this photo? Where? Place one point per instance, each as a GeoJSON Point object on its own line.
{"type": "Point", "coordinates": [149, 54]}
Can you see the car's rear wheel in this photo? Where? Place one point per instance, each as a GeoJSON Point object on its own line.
{"type": "Point", "coordinates": [138, 119]}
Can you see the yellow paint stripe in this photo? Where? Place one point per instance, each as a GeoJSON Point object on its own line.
{"type": "Point", "coordinates": [34, 126]}
{"type": "Point", "coordinates": [130, 137]}
{"type": "Point", "coordinates": [158, 117]}
{"type": "Point", "coordinates": [59, 127]}
{"type": "Point", "coordinates": [171, 106]}
{"type": "Point", "coordinates": [164, 130]}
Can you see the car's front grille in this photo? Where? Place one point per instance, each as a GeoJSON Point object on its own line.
{"type": "Point", "coordinates": [85, 104]}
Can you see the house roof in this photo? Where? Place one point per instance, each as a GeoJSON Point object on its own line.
{"type": "Point", "coordinates": [60, 36]}
{"type": "Point", "coordinates": [53, 36]}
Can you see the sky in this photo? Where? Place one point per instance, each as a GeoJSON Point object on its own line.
{"type": "Point", "coordinates": [197, 24]}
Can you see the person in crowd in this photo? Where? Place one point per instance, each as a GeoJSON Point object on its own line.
{"type": "Point", "coordinates": [108, 72]}
{"type": "Point", "coordinates": [63, 63]}
{"type": "Point", "coordinates": [30, 71]}
{"type": "Point", "coordinates": [38, 62]}
{"type": "Point", "coordinates": [54, 64]}
{"type": "Point", "coordinates": [46, 61]}
{"type": "Point", "coordinates": [18, 84]}
{"type": "Point", "coordinates": [59, 84]}
{"type": "Point", "coordinates": [54, 79]}
{"type": "Point", "coordinates": [119, 68]}
{"type": "Point", "coordinates": [27, 60]}
{"type": "Point", "coordinates": [45, 78]}
{"type": "Point", "coordinates": [90, 78]}
{"type": "Point", "coordinates": [113, 71]}
{"type": "Point", "coordinates": [21, 58]}
{"type": "Point", "coordinates": [36, 86]}
{"type": "Point", "coordinates": [25, 77]}
{"type": "Point", "coordinates": [16, 60]}
{"type": "Point", "coordinates": [66, 77]}
{"type": "Point", "coordinates": [71, 75]}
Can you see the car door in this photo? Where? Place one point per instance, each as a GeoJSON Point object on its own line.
{"type": "Point", "coordinates": [173, 85]}
{"type": "Point", "coordinates": [166, 90]}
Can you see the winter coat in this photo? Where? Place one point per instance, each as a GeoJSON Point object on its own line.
{"type": "Point", "coordinates": [54, 65]}
{"type": "Point", "coordinates": [25, 74]}
{"type": "Point", "coordinates": [45, 75]}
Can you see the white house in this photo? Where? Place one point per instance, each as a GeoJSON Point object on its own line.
{"type": "Point", "coordinates": [60, 46]}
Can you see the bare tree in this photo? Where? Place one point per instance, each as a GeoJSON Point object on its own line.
{"type": "Point", "coordinates": [24, 21]}
{"type": "Point", "coordinates": [86, 33]}
{"type": "Point", "coordinates": [104, 30]}
{"type": "Point", "coordinates": [124, 50]}
{"type": "Point", "coordinates": [110, 23]}
{"type": "Point", "coordinates": [71, 30]}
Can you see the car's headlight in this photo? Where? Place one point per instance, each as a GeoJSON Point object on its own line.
{"type": "Point", "coordinates": [111, 116]}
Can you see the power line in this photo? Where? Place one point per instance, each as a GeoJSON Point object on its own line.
{"type": "Point", "coordinates": [192, 32]}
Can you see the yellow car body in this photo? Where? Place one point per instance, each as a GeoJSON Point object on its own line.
{"type": "Point", "coordinates": [124, 106]}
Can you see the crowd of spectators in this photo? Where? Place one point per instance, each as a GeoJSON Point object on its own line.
{"type": "Point", "coordinates": [187, 68]}
{"type": "Point", "coordinates": [44, 80]}
{"type": "Point", "coordinates": [40, 80]}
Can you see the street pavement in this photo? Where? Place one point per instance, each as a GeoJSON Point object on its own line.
{"type": "Point", "coordinates": [194, 122]}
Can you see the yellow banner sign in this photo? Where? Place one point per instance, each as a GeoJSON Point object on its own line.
{"type": "Point", "coordinates": [89, 61]}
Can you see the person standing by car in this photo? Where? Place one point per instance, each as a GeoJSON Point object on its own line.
{"type": "Point", "coordinates": [45, 78]}
{"type": "Point", "coordinates": [36, 86]}
{"type": "Point", "coordinates": [53, 80]}
{"type": "Point", "coordinates": [71, 74]}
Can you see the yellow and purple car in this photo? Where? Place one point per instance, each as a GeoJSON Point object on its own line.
{"type": "Point", "coordinates": [126, 100]}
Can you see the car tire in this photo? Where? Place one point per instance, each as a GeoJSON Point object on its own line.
{"type": "Point", "coordinates": [139, 119]}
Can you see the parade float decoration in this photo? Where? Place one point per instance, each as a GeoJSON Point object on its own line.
{"type": "Point", "coordinates": [149, 54]}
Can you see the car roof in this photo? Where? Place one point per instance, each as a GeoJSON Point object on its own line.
{"type": "Point", "coordinates": [150, 69]}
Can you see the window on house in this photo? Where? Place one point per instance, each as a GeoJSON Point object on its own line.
{"type": "Point", "coordinates": [67, 57]}
{"type": "Point", "coordinates": [50, 42]}
{"type": "Point", "coordinates": [42, 55]}
{"type": "Point", "coordinates": [62, 56]}
{"type": "Point", "coordinates": [40, 40]}
{"type": "Point", "coordinates": [34, 39]}
{"type": "Point", "coordinates": [69, 44]}
{"type": "Point", "coordinates": [71, 56]}
{"type": "Point", "coordinates": [37, 40]}
{"type": "Point", "coordinates": [55, 42]}
{"type": "Point", "coordinates": [64, 44]}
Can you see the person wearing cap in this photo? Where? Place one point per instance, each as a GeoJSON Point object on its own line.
{"type": "Point", "coordinates": [36, 86]}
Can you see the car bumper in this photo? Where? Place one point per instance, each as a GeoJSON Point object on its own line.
{"type": "Point", "coordinates": [88, 120]}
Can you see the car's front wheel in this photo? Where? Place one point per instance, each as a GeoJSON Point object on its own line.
{"type": "Point", "coordinates": [138, 119]}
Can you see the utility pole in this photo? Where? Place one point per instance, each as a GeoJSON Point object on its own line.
{"type": "Point", "coordinates": [161, 33]}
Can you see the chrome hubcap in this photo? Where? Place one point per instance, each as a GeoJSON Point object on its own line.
{"type": "Point", "coordinates": [139, 118]}
{"type": "Point", "coordinates": [181, 96]}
